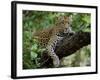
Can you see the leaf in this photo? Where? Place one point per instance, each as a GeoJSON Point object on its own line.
{"type": "Point", "coordinates": [34, 47]}
{"type": "Point", "coordinates": [87, 19]}
{"type": "Point", "coordinates": [33, 55]}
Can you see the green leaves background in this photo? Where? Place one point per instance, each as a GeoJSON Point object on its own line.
{"type": "Point", "coordinates": [38, 20]}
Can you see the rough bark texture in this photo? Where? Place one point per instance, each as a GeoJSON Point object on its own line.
{"type": "Point", "coordinates": [69, 45]}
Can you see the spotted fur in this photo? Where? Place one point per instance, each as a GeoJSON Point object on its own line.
{"type": "Point", "coordinates": [49, 37]}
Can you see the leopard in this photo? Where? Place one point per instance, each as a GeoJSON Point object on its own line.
{"type": "Point", "coordinates": [49, 37]}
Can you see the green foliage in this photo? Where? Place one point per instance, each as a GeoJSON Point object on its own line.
{"type": "Point", "coordinates": [81, 20]}
{"type": "Point", "coordinates": [79, 58]}
{"type": "Point", "coordinates": [37, 20]}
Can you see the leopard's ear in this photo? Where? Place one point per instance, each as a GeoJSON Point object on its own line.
{"type": "Point", "coordinates": [66, 17]}
{"type": "Point", "coordinates": [57, 19]}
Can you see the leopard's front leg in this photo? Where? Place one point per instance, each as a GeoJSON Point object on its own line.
{"type": "Point", "coordinates": [53, 56]}
{"type": "Point", "coordinates": [51, 47]}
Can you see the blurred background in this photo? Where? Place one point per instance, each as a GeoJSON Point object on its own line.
{"type": "Point", "coordinates": [38, 20]}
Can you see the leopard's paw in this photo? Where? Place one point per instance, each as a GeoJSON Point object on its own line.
{"type": "Point", "coordinates": [56, 61]}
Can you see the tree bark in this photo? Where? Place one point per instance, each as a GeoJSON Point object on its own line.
{"type": "Point", "coordinates": [69, 45]}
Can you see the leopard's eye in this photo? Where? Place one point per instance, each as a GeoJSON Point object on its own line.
{"type": "Point", "coordinates": [68, 22]}
{"type": "Point", "coordinates": [62, 22]}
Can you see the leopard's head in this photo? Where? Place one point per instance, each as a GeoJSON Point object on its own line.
{"type": "Point", "coordinates": [64, 23]}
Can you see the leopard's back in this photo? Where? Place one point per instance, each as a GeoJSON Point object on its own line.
{"type": "Point", "coordinates": [61, 25]}
{"type": "Point", "coordinates": [43, 36]}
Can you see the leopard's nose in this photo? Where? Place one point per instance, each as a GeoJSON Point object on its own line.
{"type": "Point", "coordinates": [65, 30]}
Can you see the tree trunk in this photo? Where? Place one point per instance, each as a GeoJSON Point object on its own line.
{"type": "Point", "coordinates": [69, 45]}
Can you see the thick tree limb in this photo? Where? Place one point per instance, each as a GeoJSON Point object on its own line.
{"type": "Point", "coordinates": [73, 43]}
{"type": "Point", "coordinates": [69, 45]}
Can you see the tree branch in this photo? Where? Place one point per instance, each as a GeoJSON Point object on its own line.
{"type": "Point", "coordinates": [69, 45]}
